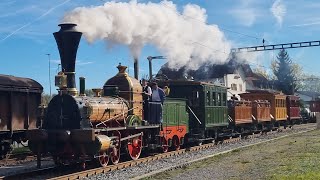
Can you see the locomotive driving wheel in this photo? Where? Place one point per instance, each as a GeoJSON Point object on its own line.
{"type": "Point", "coordinates": [115, 151]}
{"type": "Point", "coordinates": [134, 147]}
{"type": "Point", "coordinates": [103, 158]}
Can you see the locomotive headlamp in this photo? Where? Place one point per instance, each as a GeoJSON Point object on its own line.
{"type": "Point", "coordinates": [61, 80]}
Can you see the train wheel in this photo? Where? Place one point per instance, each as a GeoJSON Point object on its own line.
{"type": "Point", "coordinates": [115, 155]}
{"type": "Point", "coordinates": [175, 143]}
{"type": "Point", "coordinates": [134, 147]}
{"type": "Point", "coordinates": [165, 146]}
{"type": "Point", "coordinates": [103, 159]}
{"type": "Point", "coordinates": [115, 151]}
{"type": "Point", "coordinates": [5, 148]}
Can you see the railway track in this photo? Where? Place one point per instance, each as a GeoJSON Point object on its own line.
{"type": "Point", "coordinates": [15, 158]}
{"type": "Point", "coordinates": [71, 173]}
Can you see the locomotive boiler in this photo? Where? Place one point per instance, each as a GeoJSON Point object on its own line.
{"type": "Point", "coordinates": [77, 127]}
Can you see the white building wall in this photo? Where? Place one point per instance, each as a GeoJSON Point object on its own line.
{"type": "Point", "coordinates": [236, 85]}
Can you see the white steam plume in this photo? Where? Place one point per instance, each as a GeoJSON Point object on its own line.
{"type": "Point", "coordinates": [278, 10]}
{"type": "Point", "coordinates": [178, 37]}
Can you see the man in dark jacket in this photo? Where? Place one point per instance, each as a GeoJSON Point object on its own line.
{"type": "Point", "coordinates": [146, 98]}
{"type": "Point", "coordinates": [158, 94]}
{"type": "Point", "coordinates": [157, 98]}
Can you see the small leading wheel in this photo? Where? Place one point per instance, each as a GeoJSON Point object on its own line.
{"type": "Point", "coordinates": [134, 147]}
{"type": "Point", "coordinates": [103, 159]}
{"type": "Point", "coordinates": [115, 151]}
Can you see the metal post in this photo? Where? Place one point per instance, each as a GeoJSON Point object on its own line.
{"type": "Point", "coordinates": [49, 73]}
{"type": "Point", "coordinates": [150, 67]}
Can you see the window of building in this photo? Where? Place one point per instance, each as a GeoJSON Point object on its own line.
{"type": "Point", "coordinates": [240, 87]}
{"type": "Point", "coordinates": [234, 86]}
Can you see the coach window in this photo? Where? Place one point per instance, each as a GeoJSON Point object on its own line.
{"type": "Point", "coordinates": [195, 98]}
{"type": "Point", "coordinates": [218, 99]}
{"type": "Point", "coordinates": [224, 99]}
{"type": "Point", "coordinates": [214, 99]}
{"type": "Point", "coordinates": [208, 98]}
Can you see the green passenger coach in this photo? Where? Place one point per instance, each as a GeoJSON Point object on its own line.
{"type": "Point", "coordinates": [207, 107]}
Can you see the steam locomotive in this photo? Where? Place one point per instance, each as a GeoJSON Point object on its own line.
{"type": "Point", "coordinates": [103, 128]}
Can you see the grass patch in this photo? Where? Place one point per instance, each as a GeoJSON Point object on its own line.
{"type": "Point", "coordinates": [294, 157]}
{"type": "Point", "coordinates": [21, 150]}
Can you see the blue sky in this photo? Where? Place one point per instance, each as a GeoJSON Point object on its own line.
{"type": "Point", "coordinates": [27, 26]}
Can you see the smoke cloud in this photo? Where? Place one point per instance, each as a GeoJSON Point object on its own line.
{"type": "Point", "coordinates": [278, 10]}
{"type": "Point", "coordinates": [184, 38]}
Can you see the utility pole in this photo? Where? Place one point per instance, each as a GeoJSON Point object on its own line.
{"type": "Point", "coordinates": [49, 59]}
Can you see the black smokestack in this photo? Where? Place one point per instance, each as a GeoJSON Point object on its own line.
{"type": "Point", "coordinates": [136, 68]}
{"type": "Point", "coordinates": [68, 40]}
{"type": "Point", "coordinates": [82, 86]}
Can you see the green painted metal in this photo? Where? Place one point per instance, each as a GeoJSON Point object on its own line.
{"type": "Point", "coordinates": [207, 101]}
{"type": "Point", "coordinates": [175, 113]}
{"type": "Point", "coordinates": [216, 116]}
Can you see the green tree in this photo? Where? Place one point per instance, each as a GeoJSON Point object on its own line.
{"type": "Point", "coordinates": [310, 82]}
{"type": "Point", "coordinates": [45, 99]}
{"type": "Point", "coordinates": [283, 70]}
{"type": "Point", "coordinates": [262, 71]}
{"type": "Point", "coordinates": [89, 92]}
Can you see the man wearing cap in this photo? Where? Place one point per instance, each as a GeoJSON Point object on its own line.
{"type": "Point", "coordinates": [157, 98]}
{"type": "Point", "coordinates": [146, 97]}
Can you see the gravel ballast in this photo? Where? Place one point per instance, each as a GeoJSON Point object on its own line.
{"type": "Point", "coordinates": [142, 169]}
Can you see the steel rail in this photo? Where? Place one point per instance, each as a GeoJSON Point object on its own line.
{"type": "Point", "coordinates": [96, 171]}
{"type": "Point", "coordinates": [100, 170]}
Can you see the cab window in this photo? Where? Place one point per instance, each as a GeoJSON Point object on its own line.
{"type": "Point", "coordinates": [208, 98]}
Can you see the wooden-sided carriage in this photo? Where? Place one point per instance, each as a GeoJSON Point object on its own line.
{"type": "Point", "coordinates": [293, 109]}
{"type": "Point", "coordinates": [278, 109]}
{"type": "Point", "coordinates": [240, 115]}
